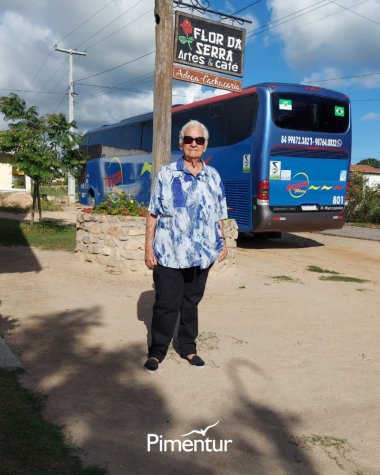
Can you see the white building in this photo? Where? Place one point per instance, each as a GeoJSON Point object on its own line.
{"type": "Point", "coordinates": [371, 174]}
{"type": "Point", "coordinates": [7, 176]}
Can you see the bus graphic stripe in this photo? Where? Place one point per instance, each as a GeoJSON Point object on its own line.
{"type": "Point", "coordinates": [326, 187]}
{"type": "Point", "coordinates": [312, 187]}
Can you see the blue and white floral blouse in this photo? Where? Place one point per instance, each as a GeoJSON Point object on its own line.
{"type": "Point", "coordinates": [188, 209]}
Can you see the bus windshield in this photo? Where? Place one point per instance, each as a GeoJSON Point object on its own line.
{"type": "Point", "coordinates": [310, 113]}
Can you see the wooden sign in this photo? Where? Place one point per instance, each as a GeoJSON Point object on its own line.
{"type": "Point", "coordinates": [208, 44]}
{"type": "Point", "coordinates": [206, 79]}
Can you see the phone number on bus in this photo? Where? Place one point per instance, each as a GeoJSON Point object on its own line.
{"type": "Point", "coordinates": [309, 141]}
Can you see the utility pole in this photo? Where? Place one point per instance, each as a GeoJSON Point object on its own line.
{"type": "Point", "coordinates": [163, 73]}
{"type": "Point", "coordinates": [71, 180]}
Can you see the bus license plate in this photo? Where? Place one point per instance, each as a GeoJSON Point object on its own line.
{"type": "Point", "coordinates": [309, 208]}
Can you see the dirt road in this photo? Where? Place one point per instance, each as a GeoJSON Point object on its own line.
{"type": "Point", "coordinates": [286, 359]}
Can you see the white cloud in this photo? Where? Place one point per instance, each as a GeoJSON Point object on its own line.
{"type": "Point", "coordinates": [371, 116]}
{"type": "Point", "coordinates": [30, 29]}
{"type": "Point", "coordinates": [329, 36]}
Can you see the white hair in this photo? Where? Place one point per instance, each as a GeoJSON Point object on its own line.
{"type": "Point", "coordinates": [189, 125]}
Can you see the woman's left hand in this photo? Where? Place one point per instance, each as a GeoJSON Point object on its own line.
{"type": "Point", "coordinates": [223, 253]}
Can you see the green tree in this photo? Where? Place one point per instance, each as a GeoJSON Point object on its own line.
{"type": "Point", "coordinates": [372, 162]}
{"type": "Point", "coordinates": [363, 201]}
{"type": "Point", "coordinates": [42, 147]}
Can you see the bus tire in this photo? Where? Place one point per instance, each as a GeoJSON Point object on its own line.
{"type": "Point", "coordinates": [91, 199]}
{"type": "Point", "coordinates": [266, 236]}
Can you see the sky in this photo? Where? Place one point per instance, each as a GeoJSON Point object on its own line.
{"type": "Point", "coordinates": [327, 43]}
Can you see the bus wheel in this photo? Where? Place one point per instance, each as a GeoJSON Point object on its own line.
{"type": "Point", "coordinates": [91, 199]}
{"type": "Point", "coordinates": [266, 236]}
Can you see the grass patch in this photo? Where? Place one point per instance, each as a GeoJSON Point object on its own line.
{"type": "Point", "coordinates": [30, 444]}
{"type": "Point", "coordinates": [320, 270]}
{"type": "Point", "coordinates": [45, 206]}
{"type": "Point", "coordinates": [285, 278]}
{"type": "Point", "coordinates": [241, 287]}
{"type": "Point", "coordinates": [336, 449]}
{"type": "Point", "coordinates": [342, 278]}
{"type": "Point", "coordinates": [46, 235]}
{"type": "Point", "coordinates": [54, 191]}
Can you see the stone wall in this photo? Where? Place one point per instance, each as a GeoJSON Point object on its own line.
{"type": "Point", "coordinates": [119, 242]}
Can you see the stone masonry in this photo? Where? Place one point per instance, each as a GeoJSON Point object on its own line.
{"type": "Point", "coordinates": [118, 242]}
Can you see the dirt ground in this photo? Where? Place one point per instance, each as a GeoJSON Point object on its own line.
{"type": "Point", "coordinates": [286, 360]}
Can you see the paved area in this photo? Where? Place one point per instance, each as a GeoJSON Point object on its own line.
{"type": "Point", "coordinates": [288, 355]}
{"type": "Point", "coordinates": [8, 360]}
{"type": "Point", "coordinates": [356, 232]}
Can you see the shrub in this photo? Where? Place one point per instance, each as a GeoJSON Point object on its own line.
{"type": "Point", "coordinates": [364, 202]}
{"type": "Point", "coordinates": [120, 204]}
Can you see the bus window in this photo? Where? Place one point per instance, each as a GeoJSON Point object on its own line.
{"type": "Point", "coordinates": [127, 136]}
{"type": "Point", "coordinates": [310, 113]}
{"type": "Point", "coordinates": [147, 140]}
{"type": "Point", "coordinates": [240, 118]}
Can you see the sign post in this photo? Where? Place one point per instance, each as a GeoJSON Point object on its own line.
{"type": "Point", "coordinates": [162, 108]}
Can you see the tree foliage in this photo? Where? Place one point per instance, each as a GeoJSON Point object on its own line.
{"type": "Point", "coordinates": [372, 162]}
{"type": "Point", "coordinates": [42, 147]}
{"type": "Point", "coordinates": [364, 201]}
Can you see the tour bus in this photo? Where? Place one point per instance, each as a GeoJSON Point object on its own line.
{"type": "Point", "coordinates": [283, 152]}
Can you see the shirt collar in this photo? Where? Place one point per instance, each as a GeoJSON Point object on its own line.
{"type": "Point", "coordinates": [180, 165]}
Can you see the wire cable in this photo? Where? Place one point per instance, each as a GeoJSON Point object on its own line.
{"type": "Point", "coordinates": [286, 16]}
{"type": "Point", "coordinates": [113, 21]}
{"type": "Point", "coordinates": [77, 28]}
{"type": "Point", "coordinates": [122, 28]}
{"type": "Point", "coordinates": [302, 26]}
{"type": "Point", "coordinates": [355, 13]}
{"type": "Point", "coordinates": [116, 67]}
{"type": "Point", "coordinates": [336, 79]}
{"type": "Point", "coordinates": [291, 19]}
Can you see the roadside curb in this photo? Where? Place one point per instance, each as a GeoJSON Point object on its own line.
{"type": "Point", "coordinates": [8, 360]}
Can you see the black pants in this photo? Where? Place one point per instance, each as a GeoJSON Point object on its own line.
{"type": "Point", "coordinates": [177, 290]}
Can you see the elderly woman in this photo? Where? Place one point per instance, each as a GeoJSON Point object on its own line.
{"type": "Point", "coordinates": [184, 237]}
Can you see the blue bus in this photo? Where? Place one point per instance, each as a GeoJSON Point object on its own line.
{"type": "Point", "coordinates": [283, 152]}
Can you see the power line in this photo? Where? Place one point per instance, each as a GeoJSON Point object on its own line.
{"type": "Point", "coordinates": [251, 5]}
{"type": "Point", "coordinates": [130, 82]}
{"type": "Point", "coordinates": [55, 110]}
{"type": "Point", "coordinates": [286, 16]}
{"type": "Point", "coordinates": [77, 28]}
{"type": "Point", "coordinates": [336, 79]}
{"type": "Point", "coordinates": [116, 67]}
{"type": "Point", "coordinates": [114, 33]}
{"type": "Point", "coordinates": [113, 21]}
{"type": "Point", "coordinates": [291, 19]}
{"type": "Point", "coordinates": [26, 90]}
{"type": "Point", "coordinates": [302, 26]}
{"type": "Point", "coordinates": [47, 57]}
{"type": "Point", "coordinates": [355, 13]}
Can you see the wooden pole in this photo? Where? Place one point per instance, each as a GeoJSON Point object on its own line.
{"type": "Point", "coordinates": [162, 109]}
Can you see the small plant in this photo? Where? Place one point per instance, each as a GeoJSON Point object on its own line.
{"type": "Point", "coordinates": [320, 270]}
{"type": "Point", "coordinates": [120, 204]}
{"type": "Point", "coordinates": [336, 449]}
{"type": "Point", "coordinates": [242, 287]}
{"type": "Point", "coordinates": [342, 278]}
{"type": "Point", "coordinates": [284, 278]}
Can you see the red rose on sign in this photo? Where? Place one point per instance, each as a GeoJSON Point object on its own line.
{"type": "Point", "coordinates": [187, 27]}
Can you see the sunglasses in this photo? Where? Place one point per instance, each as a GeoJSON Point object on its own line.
{"type": "Point", "coordinates": [189, 140]}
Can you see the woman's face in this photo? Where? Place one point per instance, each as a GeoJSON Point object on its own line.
{"type": "Point", "coordinates": [193, 151]}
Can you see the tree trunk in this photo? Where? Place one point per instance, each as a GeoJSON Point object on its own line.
{"type": "Point", "coordinates": [34, 201]}
{"type": "Point", "coordinates": [39, 201]}
{"type": "Point", "coordinates": [163, 73]}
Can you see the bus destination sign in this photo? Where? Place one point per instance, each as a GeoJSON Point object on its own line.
{"type": "Point", "coordinates": [206, 79]}
{"type": "Point", "coordinates": [208, 44]}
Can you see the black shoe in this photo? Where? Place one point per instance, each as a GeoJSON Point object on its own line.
{"type": "Point", "coordinates": [151, 366]}
{"type": "Point", "coordinates": [197, 362]}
